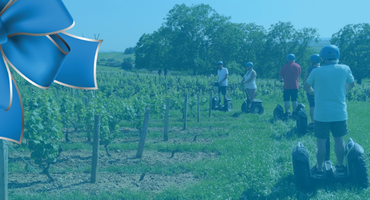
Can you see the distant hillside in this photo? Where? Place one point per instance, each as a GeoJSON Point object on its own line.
{"type": "Point", "coordinates": [118, 56]}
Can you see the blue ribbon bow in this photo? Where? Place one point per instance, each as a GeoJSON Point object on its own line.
{"type": "Point", "coordinates": [34, 44]}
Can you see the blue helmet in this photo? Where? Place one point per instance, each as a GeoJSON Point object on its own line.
{"type": "Point", "coordinates": [249, 64]}
{"type": "Point", "coordinates": [290, 57]}
{"type": "Point", "coordinates": [220, 63]}
{"type": "Point", "coordinates": [330, 52]}
{"type": "Point", "coordinates": [315, 58]}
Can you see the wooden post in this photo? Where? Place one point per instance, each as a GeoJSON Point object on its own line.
{"type": "Point", "coordinates": [95, 155]}
{"type": "Point", "coordinates": [185, 110]}
{"type": "Point", "coordinates": [3, 170]}
{"type": "Point", "coordinates": [88, 123]}
{"type": "Point", "coordinates": [143, 133]}
{"type": "Point", "coordinates": [198, 108]}
{"type": "Point", "coordinates": [165, 136]}
{"type": "Point", "coordinates": [210, 103]}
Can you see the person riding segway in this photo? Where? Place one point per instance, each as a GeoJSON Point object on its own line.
{"type": "Point", "coordinates": [331, 82]}
{"type": "Point", "coordinates": [251, 104]}
{"type": "Point", "coordinates": [315, 63]}
{"type": "Point", "coordinates": [223, 75]}
{"type": "Point", "coordinates": [289, 73]}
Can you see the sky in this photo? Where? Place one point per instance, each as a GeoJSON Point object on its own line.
{"type": "Point", "coordinates": [121, 23]}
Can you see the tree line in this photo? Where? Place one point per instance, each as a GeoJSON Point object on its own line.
{"type": "Point", "coordinates": [193, 38]}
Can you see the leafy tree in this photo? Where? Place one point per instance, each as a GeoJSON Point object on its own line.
{"type": "Point", "coordinates": [152, 51]}
{"type": "Point", "coordinates": [129, 50]}
{"type": "Point", "coordinates": [194, 38]}
{"type": "Point", "coordinates": [183, 42]}
{"type": "Point", "coordinates": [283, 39]}
{"type": "Point", "coordinates": [190, 30]}
{"type": "Point", "coordinates": [353, 41]}
{"type": "Point", "coordinates": [127, 64]}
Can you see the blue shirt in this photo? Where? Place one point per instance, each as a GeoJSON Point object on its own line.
{"type": "Point", "coordinates": [330, 91]}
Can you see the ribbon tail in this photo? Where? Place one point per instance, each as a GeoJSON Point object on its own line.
{"type": "Point", "coordinates": [12, 121]}
{"type": "Point", "coordinates": [79, 67]}
{"type": "Point", "coordinates": [6, 87]}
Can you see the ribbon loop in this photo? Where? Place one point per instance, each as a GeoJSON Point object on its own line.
{"type": "Point", "coordinates": [30, 43]}
{"type": "Point", "coordinates": [36, 17]}
{"type": "Point", "coordinates": [37, 59]}
{"type": "Point", "coordinates": [84, 53]}
{"type": "Point", "coordinates": [3, 34]}
{"type": "Point", "coordinates": [5, 86]}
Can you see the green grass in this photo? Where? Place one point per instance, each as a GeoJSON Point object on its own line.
{"type": "Point", "coordinates": [253, 157]}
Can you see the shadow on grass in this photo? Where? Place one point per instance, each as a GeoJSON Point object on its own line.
{"type": "Point", "coordinates": [281, 190]}
{"type": "Point", "coordinates": [289, 135]}
{"type": "Point", "coordinates": [285, 188]}
{"type": "Point", "coordinates": [237, 114]}
{"type": "Point", "coordinates": [23, 185]}
{"type": "Point", "coordinates": [65, 187]}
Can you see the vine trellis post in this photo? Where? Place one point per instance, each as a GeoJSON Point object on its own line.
{"type": "Point", "coordinates": [3, 170]}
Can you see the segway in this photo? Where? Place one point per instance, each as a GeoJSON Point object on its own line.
{"type": "Point", "coordinates": [256, 106]}
{"type": "Point", "coordinates": [301, 119]}
{"type": "Point", "coordinates": [354, 161]}
{"type": "Point", "coordinates": [216, 102]}
{"type": "Point", "coordinates": [279, 113]}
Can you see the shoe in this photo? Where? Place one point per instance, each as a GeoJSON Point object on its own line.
{"type": "Point", "coordinates": [286, 115]}
{"type": "Point", "coordinates": [341, 170]}
{"type": "Point", "coordinates": [317, 173]}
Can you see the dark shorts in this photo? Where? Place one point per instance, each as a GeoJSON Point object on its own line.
{"type": "Point", "coordinates": [222, 89]}
{"type": "Point", "coordinates": [311, 100]}
{"type": "Point", "coordinates": [338, 129]}
{"type": "Point", "coordinates": [290, 94]}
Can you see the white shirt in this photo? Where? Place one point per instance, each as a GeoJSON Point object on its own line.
{"type": "Point", "coordinates": [252, 84]}
{"type": "Point", "coordinates": [221, 75]}
{"type": "Point", "coordinates": [330, 91]}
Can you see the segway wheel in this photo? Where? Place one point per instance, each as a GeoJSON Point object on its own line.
{"type": "Point", "coordinates": [257, 109]}
{"type": "Point", "coordinates": [301, 125]}
{"type": "Point", "coordinates": [358, 172]}
{"type": "Point", "coordinates": [302, 175]}
{"type": "Point", "coordinates": [229, 106]}
{"type": "Point", "coordinates": [244, 107]}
